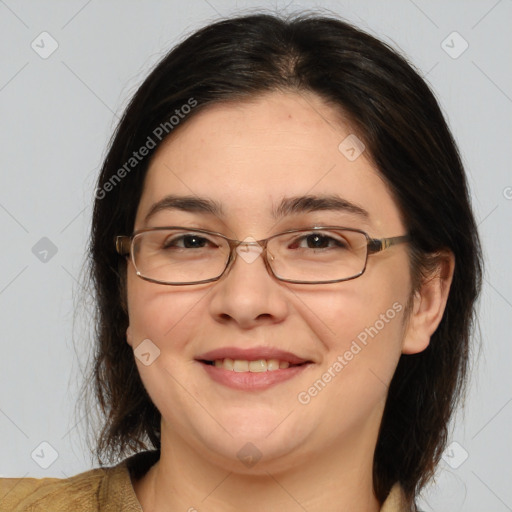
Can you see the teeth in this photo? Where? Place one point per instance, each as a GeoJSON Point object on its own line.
{"type": "Point", "coordinates": [273, 364]}
{"type": "Point", "coordinates": [258, 366]}
{"type": "Point", "coordinates": [241, 366]}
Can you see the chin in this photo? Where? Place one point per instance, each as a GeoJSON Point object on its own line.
{"type": "Point", "coordinates": [258, 443]}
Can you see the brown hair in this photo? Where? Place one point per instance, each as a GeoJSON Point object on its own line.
{"type": "Point", "coordinates": [400, 122]}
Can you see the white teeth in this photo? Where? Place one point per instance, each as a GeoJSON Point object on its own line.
{"type": "Point", "coordinates": [258, 366]}
{"type": "Point", "coordinates": [228, 364]}
{"type": "Point", "coordinates": [272, 364]}
{"type": "Point", "coordinates": [241, 366]}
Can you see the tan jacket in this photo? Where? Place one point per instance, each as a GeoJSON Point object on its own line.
{"type": "Point", "coordinates": [101, 490]}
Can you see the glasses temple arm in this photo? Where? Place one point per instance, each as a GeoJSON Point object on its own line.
{"type": "Point", "coordinates": [123, 245]}
{"type": "Point", "coordinates": [377, 245]}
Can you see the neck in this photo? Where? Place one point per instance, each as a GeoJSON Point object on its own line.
{"type": "Point", "coordinates": [185, 480]}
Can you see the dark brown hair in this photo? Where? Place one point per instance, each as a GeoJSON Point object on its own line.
{"type": "Point", "coordinates": [396, 115]}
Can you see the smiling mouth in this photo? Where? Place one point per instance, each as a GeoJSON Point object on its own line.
{"type": "Point", "coordinates": [254, 366]}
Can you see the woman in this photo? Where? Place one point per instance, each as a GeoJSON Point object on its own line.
{"type": "Point", "coordinates": [285, 263]}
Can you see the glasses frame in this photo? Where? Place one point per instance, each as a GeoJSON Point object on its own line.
{"type": "Point", "coordinates": [124, 247]}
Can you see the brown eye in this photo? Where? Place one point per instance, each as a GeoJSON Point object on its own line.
{"type": "Point", "coordinates": [189, 241]}
{"type": "Point", "coordinates": [318, 241]}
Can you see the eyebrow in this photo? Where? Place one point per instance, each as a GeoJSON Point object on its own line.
{"type": "Point", "coordinates": [186, 204]}
{"type": "Point", "coordinates": [313, 203]}
{"type": "Point", "coordinates": [287, 206]}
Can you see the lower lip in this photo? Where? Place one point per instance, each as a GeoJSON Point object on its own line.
{"type": "Point", "coordinates": [252, 381]}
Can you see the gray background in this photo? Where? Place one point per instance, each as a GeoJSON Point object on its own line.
{"type": "Point", "coordinates": [57, 114]}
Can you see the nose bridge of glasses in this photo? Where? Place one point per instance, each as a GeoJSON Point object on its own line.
{"type": "Point", "coordinates": [249, 248]}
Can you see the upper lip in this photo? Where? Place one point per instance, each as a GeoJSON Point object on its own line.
{"type": "Point", "coordinates": [251, 354]}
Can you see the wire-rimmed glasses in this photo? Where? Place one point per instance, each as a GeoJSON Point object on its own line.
{"type": "Point", "coordinates": [177, 255]}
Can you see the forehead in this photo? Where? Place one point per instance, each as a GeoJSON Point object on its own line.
{"type": "Point", "coordinates": [248, 156]}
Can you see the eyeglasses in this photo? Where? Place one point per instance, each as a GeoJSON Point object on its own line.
{"type": "Point", "coordinates": [183, 256]}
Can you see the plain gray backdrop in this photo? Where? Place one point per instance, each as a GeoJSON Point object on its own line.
{"type": "Point", "coordinates": [67, 71]}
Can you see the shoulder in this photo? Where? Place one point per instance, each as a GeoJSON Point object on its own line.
{"type": "Point", "coordinates": [32, 494]}
{"type": "Point", "coordinates": [107, 489]}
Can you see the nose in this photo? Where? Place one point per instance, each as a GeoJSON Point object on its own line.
{"type": "Point", "coordinates": [247, 294]}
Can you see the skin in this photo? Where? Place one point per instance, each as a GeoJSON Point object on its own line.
{"type": "Point", "coordinates": [248, 156]}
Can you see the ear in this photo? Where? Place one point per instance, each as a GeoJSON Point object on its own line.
{"type": "Point", "coordinates": [428, 305]}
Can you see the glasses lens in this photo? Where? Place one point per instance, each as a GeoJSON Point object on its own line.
{"type": "Point", "coordinates": [179, 256]}
{"type": "Point", "coordinates": [318, 255]}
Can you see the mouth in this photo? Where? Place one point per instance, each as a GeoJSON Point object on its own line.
{"type": "Point", "coordinates": [252, 369]}
{"type": "Point", "coordinates": [253, 366]}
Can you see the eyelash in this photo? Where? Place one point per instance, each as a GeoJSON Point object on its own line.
{"type": "Point", "coordinates": [293, 241]}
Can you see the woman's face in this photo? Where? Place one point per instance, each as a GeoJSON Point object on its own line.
{"type": "Point", "coordinates": [247, 158]}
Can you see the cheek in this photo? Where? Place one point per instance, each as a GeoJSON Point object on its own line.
{"type": "Point", "coordinates": [171, 318]}
{"type": "Point", "coordinates": [167, 317]}
{"type": "Point", "coordinates": [163, 314]}
{"type": "Point", "coordinates": [340, 316]}
{"type": "Point", "coordinates": [360, 325]}
{"type": "Point", "coordinates": [361, 336]}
